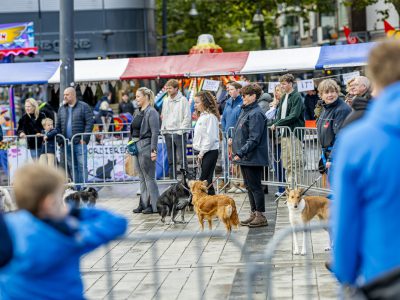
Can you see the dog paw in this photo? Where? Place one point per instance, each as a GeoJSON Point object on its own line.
{"type": "Point", "coordinates": [327, 248]}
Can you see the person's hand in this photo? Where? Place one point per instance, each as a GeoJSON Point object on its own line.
{"type": "Point", "coordinates": [199, 159]}
{"type": "Point", "coordinates": [230, 141]}
{"type": "Point", "coordinates": [83, 142]}
{"type": "Point", "coordinates": [45, 138]}
{"type": "Point", "coordinates": [328, 164]}
{"type": "Point", "coordinates": [236, 158]}
{"type": "Point", "coordinates": [153, 156]}
{"type": "Point", "coordinates": [22, 135]}
{"type": "Point", "coordinates": [273, 127]}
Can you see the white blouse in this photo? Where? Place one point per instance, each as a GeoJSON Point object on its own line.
{"type": "Point", "coordinates": [206, 133]}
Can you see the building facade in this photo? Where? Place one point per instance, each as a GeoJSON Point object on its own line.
{"type": "Point", "coordinates": [103, 28]}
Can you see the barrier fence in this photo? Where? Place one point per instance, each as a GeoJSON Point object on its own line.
{"type": "Point", "coordinates": [293, 157]}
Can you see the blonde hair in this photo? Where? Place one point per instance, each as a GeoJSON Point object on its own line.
{"type": "Point", "coordinates": [328, 85]}
{"type": "Point", "coordinates": [33, 183]}
{"type": "Point", "coordinates": [173, 83]}
{"type": "Point", "coordinates": [35, 105]}
{"type": "Point", "coordinates": [384, 64]}
{"type": "Point", "coordinates": [104, 105]}
{"type": "Point", "coordinates": [149, 93]}
{"type": "Point", "coordinates": [47, 120]}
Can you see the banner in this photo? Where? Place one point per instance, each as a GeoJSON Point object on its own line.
{"type": "Point", "coordinates": [348, 76]}
{"type": "Point", "coordinates": [210, 85]}
{"type": "Point", "coordinates": [16, 35]}
{"type": "Point", "coordinates": [305, 85]}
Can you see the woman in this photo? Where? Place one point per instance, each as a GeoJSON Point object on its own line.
{"type": "Point", "coordinates": [145, 129]}
{"type": "Point", "coordinates": [31, 124]}
{"type": "Point", "coordinates": [334, 112]}
{"type": "Point", "coordinates": [206, 135]}
{"type": "Point", "coordinates": [274, 145]}
{"type": "Point", "coordinates": [250, 148]}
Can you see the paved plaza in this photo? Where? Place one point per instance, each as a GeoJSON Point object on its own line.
{"type": "Point", "coordinates": [209, 268]}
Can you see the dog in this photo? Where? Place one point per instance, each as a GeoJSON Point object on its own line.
{"type": "Point", "coordinates": [170, 202]}
{"type": "Point", "coordinates": [209, 206]}
{"type": "Point", "coordinates": [7, 204]}
{"type": "Point", "coordinates": [302, 209]}
{"type": "Point", "coordinates": [87, 197]}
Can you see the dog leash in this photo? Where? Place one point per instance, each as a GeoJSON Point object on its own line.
{"type": "Point", "coordinates": [318, 178]}
{"type": "Point", "coordinates": [213, 182]}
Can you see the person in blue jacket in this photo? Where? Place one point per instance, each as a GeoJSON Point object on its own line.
{"type": "Point", "coordinates": [48, 239]}
{"type": "Point", "coordinates": [365, 181]}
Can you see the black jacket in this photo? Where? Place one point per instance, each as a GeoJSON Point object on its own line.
{"type": "Point", "coordinates": [49, 146]}
{"type": "Point", "coordinates": [330, 122]}
{"type": "Point", "coordinates": [82, 120]}
{"type": "Point", "coordinates": [359, 106]}
{"type": "Point", "coordinates": [310, 101]}
{"type": "Point", "coordinates": [31, 126]}
{"type": "Point", "coordinates": [126, 108]}
{"type": "Point", "coordinates": [250, 137]}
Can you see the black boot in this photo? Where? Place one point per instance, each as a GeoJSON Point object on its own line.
{"type": "Point", "coordinates": [139, 209]}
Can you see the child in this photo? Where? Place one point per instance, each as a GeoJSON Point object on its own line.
{"type": "Point", "coordinates": [49, 143]}
{"type": "Point", "coordinates": [48, 239]}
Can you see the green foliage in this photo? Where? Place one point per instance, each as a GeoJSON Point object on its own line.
{"type": "Point", "coordinates": [224, 19]}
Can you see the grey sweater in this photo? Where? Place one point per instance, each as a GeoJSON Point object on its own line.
{"type": "Point", "coordinates": [150, 128]}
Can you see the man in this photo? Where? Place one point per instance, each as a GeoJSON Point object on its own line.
{"type": "Point", "coordinates": [229, 118]}
{"type": "Point", "coordinates": [126, 106]}
{"type": "Point", "coordinates": [361, 88]}
{"type": "Point", "coordinates": [291, 114]}
{"type": "Point", "coordinates": [75, 118]}
{"type": "Point", "coordinates": [365, 185]}
{"type": "Point", "coordinates": [310, 102]}
{"type": "Point", "coordinates": [175, 115]}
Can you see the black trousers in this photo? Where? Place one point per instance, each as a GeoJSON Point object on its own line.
{"type": "Point", "coordinates": [208, 164]}
{"type": "Point", "coordinates": [252, 180]}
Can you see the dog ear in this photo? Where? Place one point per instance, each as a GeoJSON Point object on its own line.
{"type": "Point", "coordinates": [287, 191]}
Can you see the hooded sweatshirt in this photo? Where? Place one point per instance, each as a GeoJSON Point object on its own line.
{"type": "Point", "coordinates": [45, 263]}
{"type": "Point", "coordinates": [365, 182]}
{"type": "Point", "coordinates": [176, 113]}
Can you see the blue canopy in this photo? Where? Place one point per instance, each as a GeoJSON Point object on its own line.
{"type": "Point", "coordinates": [340, 56]}
{"type": "Point", "coordinates": [27, 73]}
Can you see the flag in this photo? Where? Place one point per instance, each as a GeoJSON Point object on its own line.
{"type": "Point", "coordinates": [390, 30]}
{"type": "Point", "coordinates": [350, 39]}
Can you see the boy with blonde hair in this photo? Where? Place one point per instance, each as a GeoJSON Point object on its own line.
{"type": "Point", "coordinates": [48, 151]}
{"type": "Point", "coordinates": [48, 239]}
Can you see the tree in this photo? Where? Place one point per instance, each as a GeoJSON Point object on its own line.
{"type": "Point", "coordinates": [229, 20]}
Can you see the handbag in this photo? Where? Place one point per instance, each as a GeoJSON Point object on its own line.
{"type": "Point", "coordinates": [131, 148]}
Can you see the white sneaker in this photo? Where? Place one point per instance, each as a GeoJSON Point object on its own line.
{"type": "Point", "coordinates": [232, 189]}
{"type": "Point", "coordinates": [240, 191]}
{"type": "Point", "coordinates": [278, 194]}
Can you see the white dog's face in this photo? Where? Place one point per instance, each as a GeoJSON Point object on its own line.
{"type": "Point", "coordinates": [294, 198]}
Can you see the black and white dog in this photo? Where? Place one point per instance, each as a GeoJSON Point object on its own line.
{"type": "Point", "coordinates": [175, 199]}
{"type": "Point", "coordinates": [87, 197]}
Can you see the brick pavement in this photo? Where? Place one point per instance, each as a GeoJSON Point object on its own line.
{"type": "Point", "coordinates": [222, 264]}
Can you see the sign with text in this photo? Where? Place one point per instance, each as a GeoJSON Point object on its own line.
{"type": "Point", "coordinates": [349, 76]}
{"type": "Point", "coordinates": [305, 85]}
{"type": "Point", "coordinates": [271, 86]}
{"type": "Point", "coordinates": [211, 85]}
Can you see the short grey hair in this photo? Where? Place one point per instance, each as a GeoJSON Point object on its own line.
{"type": "Point", "coordinates": [364, 81]}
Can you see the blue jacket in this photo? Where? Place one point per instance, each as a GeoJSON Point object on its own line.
{"type": "Point", "coordinates": [46, 262]}
{"type": "Point", "coordinates": [231, 113]}
{"type": "Point", "coordinates": [82, 120]}
{"type": "Point", "coordinates": [49, 146]}
{"type": "Point", "coordinates": [250, 137]}
{"type": "Point", "coordinates": [365, 181]}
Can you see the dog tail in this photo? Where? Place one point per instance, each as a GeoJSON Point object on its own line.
{"type": "Point", "coordinates": [228, 211]}
{"type": "Point", "coordinates": [235, 217]}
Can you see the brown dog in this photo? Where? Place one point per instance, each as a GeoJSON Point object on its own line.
{"type": "Point", "coordinates": [207, 207]}
{"type": "Point", "coordinates": [302, 209]}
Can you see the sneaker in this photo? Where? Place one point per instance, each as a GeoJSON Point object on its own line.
{"type": "Point", "coordinates": [259, 221]}
{"type": "Point", "coordinates": [147, 211]}
{"type": "Point", "coordinates": [278, 194]}
{"type": "Point", "coordinates": [232, 189]}
{"type": "Point", "coordinates": [248, 220]}
{"type": "Point", "coordinates": [240, 191]}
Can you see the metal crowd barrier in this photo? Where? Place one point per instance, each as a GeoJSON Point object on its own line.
{"type": "Point", "coordinates": [175, 236]}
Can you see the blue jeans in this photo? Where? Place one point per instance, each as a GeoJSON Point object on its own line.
{"type": "Point", "coordinates": [76, 163]}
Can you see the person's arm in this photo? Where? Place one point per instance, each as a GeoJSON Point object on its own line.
{"type": "Point", "coordinates": [164, 114]}
{"type": "Point", "coordinates": [256, 130]}
{"type": "Point", "coordinates": [210, 134]}
{"type": "Point", "coordinates": [187, 117]}
{"type": "Point", "coordinates": [89, 122]}
{"type": "Point", "coordinates": [98, 227]}
{"type": "Point", "coordinates": [294, 113]}
{"type": "Point", "coordinates": [154, 123]}
{"type": "Point", "coordinates": [6, 247]}
{"type": "Point", "coordinates": [346, 212]}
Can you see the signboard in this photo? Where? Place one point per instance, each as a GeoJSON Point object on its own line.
{"type": "Point", "coordinates": [305, 85]}
{"type": "Point", "coordinates": [351, 75]}
{"type": "Point", "coordinates": [271, 86]}
{"type": "Point", "coordinates": [210, 85]}
{"type": "Point", "coordinates": [16, 35]}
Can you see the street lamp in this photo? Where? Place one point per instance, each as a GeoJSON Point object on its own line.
{"type": "Point", "coordinates": [258, 19]}
{"type": "Point", "coordinates": [193, 11]}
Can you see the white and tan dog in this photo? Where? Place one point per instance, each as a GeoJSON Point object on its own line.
{"type": "Point", "coordinates": [7, 204]}
{"type": "Point", "coordinates": [302, 209]}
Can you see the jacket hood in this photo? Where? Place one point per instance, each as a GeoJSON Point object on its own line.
{"type": "Point", "coordinates": [384, 110]}
{"type": "Point", "coordinates": [237, 99]}
{"type": "Point", "coordinates": [30, 236]}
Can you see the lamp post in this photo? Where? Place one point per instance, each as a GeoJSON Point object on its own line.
{"type": "Point", "coordinates": [258, 19]}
